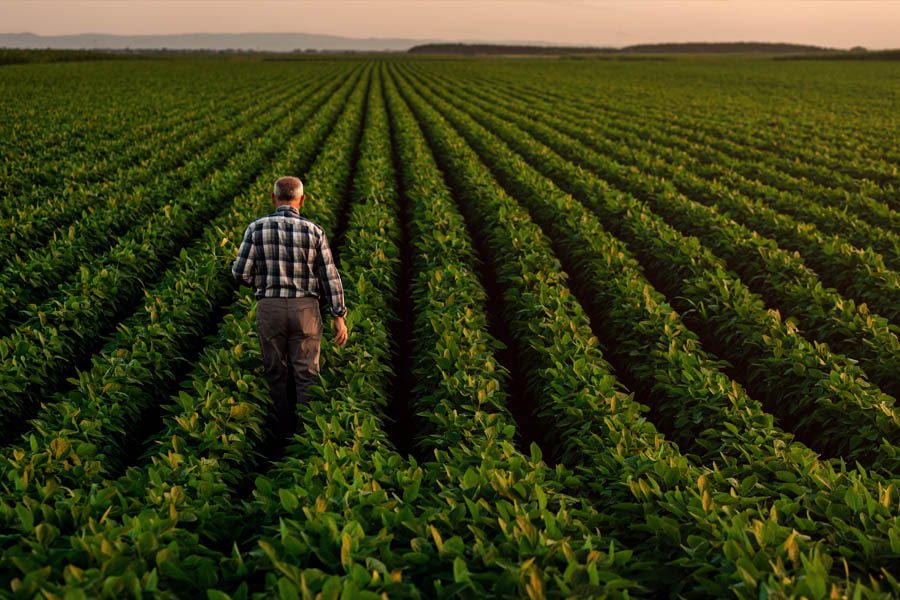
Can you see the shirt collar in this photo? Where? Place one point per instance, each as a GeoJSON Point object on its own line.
{"type": "Point", "coordinates": [287, 208]}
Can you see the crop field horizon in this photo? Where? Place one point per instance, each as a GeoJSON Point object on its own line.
{"type": "Point", "coordinates": [617, 329]}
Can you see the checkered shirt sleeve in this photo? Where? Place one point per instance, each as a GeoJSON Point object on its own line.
{"type": "Point", "coordinates": [243, 267]}
{"type": "Point", "coordinates": [329, 277]}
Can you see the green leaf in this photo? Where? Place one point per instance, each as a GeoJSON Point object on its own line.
{"type": "Point", "coordinates": [894, 537]}
{"type": "Point", "coordinates": [287, 590]}
{"type": "Point", "coordinates": [460, 571]}
{"type": "Point", "coordinates": [75, 594]}
{"type": "Point", "coordinates": [151, 580]}
{"type": "Point", "coordinates": [541, 496]}
{"type": "Point", "coordinates": [288, 500]}
{"type": "Point", "coordinates": [26, 518]}
{"type": "Point", "coordinates": [536, 454]}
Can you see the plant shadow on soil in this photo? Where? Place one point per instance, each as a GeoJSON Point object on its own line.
{"type": "Point", "coordinates": [521, 404]}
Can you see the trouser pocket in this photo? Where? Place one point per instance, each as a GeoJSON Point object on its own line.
{"type": "Point", "coordinates": [306, 338]}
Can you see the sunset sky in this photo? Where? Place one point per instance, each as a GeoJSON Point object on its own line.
{"type": "Point", "coordinates": [838, 23]}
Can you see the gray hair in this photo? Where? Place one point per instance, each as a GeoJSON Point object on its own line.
{"type": "Point", "coordinates": [288, 188]}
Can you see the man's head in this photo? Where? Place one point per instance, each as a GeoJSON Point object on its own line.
{"type": "Point", "coordinates": [288, 191]}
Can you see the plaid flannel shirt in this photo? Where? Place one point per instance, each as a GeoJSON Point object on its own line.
{"type": "Point", "coordinates": [284, 255]}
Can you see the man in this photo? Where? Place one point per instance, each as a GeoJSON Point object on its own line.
{"type": "Point", "coordinates": [287, 260]}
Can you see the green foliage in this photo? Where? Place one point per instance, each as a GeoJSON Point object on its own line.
{"type": "Point", "coordinates": [209, 437]}
{"type": "Point", "coordinates": [700, 300]}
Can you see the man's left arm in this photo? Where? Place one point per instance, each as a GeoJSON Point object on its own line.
{"type": "Point", "coordinates": [333, 288]}
{"type": "Point", "coordinates": [329, 277]}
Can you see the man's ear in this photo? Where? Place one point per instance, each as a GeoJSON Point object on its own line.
{"type": "Point", "coordinates": [273, 197]}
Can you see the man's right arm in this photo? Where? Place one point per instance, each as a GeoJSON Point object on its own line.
{"type": "Point", "coordinates": [243, 267]}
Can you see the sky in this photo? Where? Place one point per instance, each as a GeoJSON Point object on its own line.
{"type": "Point", "coordinates": [835, 23]}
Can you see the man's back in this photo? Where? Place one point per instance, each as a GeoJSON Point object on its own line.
{"type": "Point", "coordinates": [284, 255]}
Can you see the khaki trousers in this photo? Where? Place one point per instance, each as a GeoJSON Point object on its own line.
{"type": "Point", "coordinates": [290, 335]}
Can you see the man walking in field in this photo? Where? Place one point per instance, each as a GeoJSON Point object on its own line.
{"type": "Point", "coordinates": [286, 258]}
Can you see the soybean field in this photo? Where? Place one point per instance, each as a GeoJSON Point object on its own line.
{"type": "Point", "coordinates": [618, 328]}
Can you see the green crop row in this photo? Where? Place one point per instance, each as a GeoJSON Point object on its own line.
{"type": "Point", "coordinates": [150, 529]}
{"type": "Point", "coordinates": [861, 204]}
{"type": "Point", "coordinates": [79, 133]}
{"type": "Point", "coordinates": [23, 191]}
{"type": "Point", "coordinates": [707, 413]}
{"type": "Point", "coordinates": [765, 170]}
{"type": "Point", "coordinates": [803, 171]}
{"type": "Point", "coordinates": [578, 399]}
{"type": "Point", "coordinates": [860, 273]}
{"type": "Point", "coordinates": [829, 220]}
{"type": "Point", "coordinates": [29, 227]}
{"type": "Point", "coordinates": [323, 514]}
{"type": "Point", "coordinates": [185, 498]}
{"type": "Point", "coordinates": [34, 276]}
{"type": "Point", "coordinates": [526, 305]}
{"type": "Point", "coordinates": [810, 388]}
{"type": "Point", "coordinates": [839, 154]}
{"type": "Point", "coordinates": [871, 223]}
{"type": "Point", "coordinates": [461, 401]}
{"type": "Point", "coordinates": [69, 144]}
{"type": "Point", "coordinates": [35, 355]}
{"type": "Point", "coordinates": [777, 275]}
{"type": "Point", "coordinates": [352, 515]}
{"type": "Point", "coordinates": [136, 363]}
{"type": "Point", "coordinates": [643, 479]}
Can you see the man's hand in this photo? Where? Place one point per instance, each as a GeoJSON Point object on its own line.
{"type": "Point", "coordinates": [340, 331]}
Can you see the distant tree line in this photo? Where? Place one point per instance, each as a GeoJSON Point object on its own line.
{"type": "Point", "coordinates": [641, 51]}
{"type": "Point", "coordinates": [497, 49]}
{"type": "Point", "coordinates": [723, 48]}
{"type": "Point", "coordinates": [854, 54]}
{"type": "Point", "coordinates": [10, 56]}
{"type": "Point", "coordinates": [679, 48]}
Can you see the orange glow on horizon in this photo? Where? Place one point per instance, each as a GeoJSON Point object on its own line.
{"type": "Point", "coordinates": [838, 23]}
